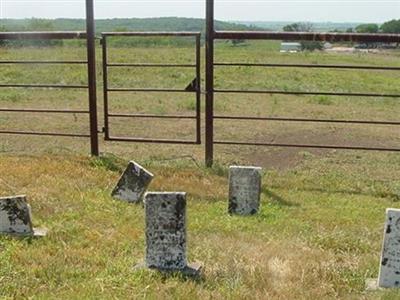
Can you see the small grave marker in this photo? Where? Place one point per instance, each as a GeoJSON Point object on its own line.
{"type": "Point", "coordinates": [389, 273]}
{"type": "Point", "coordinates": [133, 183]}
{"type": "Point", "coordinates": [244, 190]}
{"type": "Point", "coordinates": [15, 217]}
{"type": "Point", "coordinates": [166, 233]}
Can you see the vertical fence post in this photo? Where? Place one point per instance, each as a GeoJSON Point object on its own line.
{"type": "Point", "coordinates": [209, 83]}
{"type": "Point", "coordinates": [91, 59]}
{"type": "Point", "coordinates": [105, 87]}
{"type": "Point", "coordinates": [198, 89]}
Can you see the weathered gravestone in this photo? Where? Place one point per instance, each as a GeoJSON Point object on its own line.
{"type": "Point", "coordinates": [244, 190]}
{"type": "Point", "coordinates": [16, 218]}
{"type": "Point", "coordinates": [166, 233]}
{"type": "Point", "coordinates": [133, 183]}
{"type": "Point", "coordinates": [389, 273]}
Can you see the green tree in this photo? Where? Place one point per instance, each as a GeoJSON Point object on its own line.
{"type": "Point", "coordinates": [392, 26]}
{"type": "Point", "coordinates": [367, 28]}
{"type": "Point", "coordinates": [2, 29]}
{"type": "Point", "coordinates": [120, 29]}
{"type": "Point", "coordinates": [37, 25]}
{"type": "Point", "coordinates": [304, 27]}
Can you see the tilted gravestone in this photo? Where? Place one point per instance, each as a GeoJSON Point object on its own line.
{"type": "Point", "coordinates": [15, 217]}
{"type": "Point", "coordinates": [166, 233]}
{"type": "Point", "coordinates": [389, 273]}
{"type": "Point", "coordinates": [244, 190]}
{"type": "Point", "coordinates": [133, 183]}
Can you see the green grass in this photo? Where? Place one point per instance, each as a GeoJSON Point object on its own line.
{"type": "Point", "coordinates": [319, 232]}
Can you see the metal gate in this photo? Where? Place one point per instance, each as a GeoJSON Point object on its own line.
{"type": "Point", "coordinates": [194, 88]}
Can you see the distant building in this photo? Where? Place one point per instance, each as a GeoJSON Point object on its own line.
{"type": "Point", "coordinates": [291, 47]}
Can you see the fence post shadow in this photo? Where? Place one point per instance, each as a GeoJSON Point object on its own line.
{"type": "Point", "coordinates": [275, 198]}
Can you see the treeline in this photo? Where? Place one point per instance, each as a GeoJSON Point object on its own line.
{"type": "Point", "coordinates": [392, 26]}
{"type": "Point", "coordinates": [32, 25]}
{"type": "Point", "coordinates": [119, 25]}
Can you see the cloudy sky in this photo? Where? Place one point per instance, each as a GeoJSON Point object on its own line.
{"type": "Point", "coordinates": [250, 10]}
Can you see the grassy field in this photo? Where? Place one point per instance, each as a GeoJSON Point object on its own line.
{"type": "Point", "coordinates": [319, 232]}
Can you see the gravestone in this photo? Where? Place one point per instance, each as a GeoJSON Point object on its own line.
{"type": "Point", "coordinates": [244, 190]}
{"type": "Point", "coordinates": [16, 218]}
{"type": "Point", "coordinates": [166, 233]}
{"type": "Point", "coordinates": [165, 230]}
{"type": "Point", "coordinates": [389, 273]}
{"type": "Point", "coordinates": [133, 183]}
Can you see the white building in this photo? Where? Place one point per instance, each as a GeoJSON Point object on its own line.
{"type": "Point", "coordinates": [290, 47]}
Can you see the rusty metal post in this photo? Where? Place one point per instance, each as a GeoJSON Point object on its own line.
{"type": "Point", "coordinates": [210, 82]}
{"type": "Point", "coordinates": [105, 87]}
{"type": "Point", "coordinates": [91, 58]}
{"type": "Point", "coordinates": [198, 89]}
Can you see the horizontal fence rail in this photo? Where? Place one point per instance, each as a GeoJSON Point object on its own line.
{"type": "Point", "coordinates": [153, 65]}
{"type": "Point", "coordinates": [234, 64]}
{"type": "Point", "coordinates": [43, 35]}
{"type": "Point", "coordinates": [43, 62]}
{"type": "Point", "coordinates": [195, 88]}
{"type": "Point", "coordinates": [153, 34]}
{"type": "Point", "coordinates": [52, 111]}
{"type": "Point", "coordinates": [305, 120]}
{"type": "Point", "coordinates": [59, 134]}
{"type": "Point", "coordinates": [151, 116]}
{"type": "Point", "coordinates": [307, 146]}
{"type": "Point", "coordinates": [308, 36]}
{"type": "Point", "coordinates": [277, 92]}
{"type": "Point", "coordinates": [148, 90]}
{"type": "Point", "coordinates": [212, 35]}
{"type": "Point", "coordinates": [44, 86]}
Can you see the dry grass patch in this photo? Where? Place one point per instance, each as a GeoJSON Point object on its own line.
{"type": "Point", "coordinates": [316, 236]}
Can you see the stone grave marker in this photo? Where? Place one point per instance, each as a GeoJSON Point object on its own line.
{"type": "Point", "coordinates": [166, 233]}
{"type": "Point", "coordinates": [133, 183]}
{"type": "Point", "coordinates": [16, 217]}
{"type": "Point", "coordinates": [244, 190]}
{"type": "Point", "coordinates": [389, 273]}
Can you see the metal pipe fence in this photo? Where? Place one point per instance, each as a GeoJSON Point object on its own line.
{"type": "Point", "coordinates": [10, 36]}
{"type": "Point", "coordinates": [212, 35]}
{"type": "Point", "coordinates": [90, 62]}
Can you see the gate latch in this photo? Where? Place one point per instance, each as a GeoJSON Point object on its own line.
{"type": "Point", "coordinates": [192, 87]}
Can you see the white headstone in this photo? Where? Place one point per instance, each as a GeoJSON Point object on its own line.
{"type": "Point", "coordinates": [165, 230]}
{"type": "Point", "coordinates": [15, 217]}
{"type": "Point", "coordinates": [389, 273]}
{"type": "Point", "coordinates": [133, 183]}
{"type": "Point", "coordinates": [244, 190]}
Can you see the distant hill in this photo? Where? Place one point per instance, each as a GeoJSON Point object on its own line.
{"type": "Point", "coordinates": [131, 24]}
{"type": "Point", "coordinates": [107, 25]}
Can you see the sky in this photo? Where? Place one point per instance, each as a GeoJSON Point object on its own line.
{"type": "Point", "coordinates": [251, 10]}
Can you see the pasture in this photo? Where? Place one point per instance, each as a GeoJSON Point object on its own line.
{"type": "Point", "coordinates": [320, 229]}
